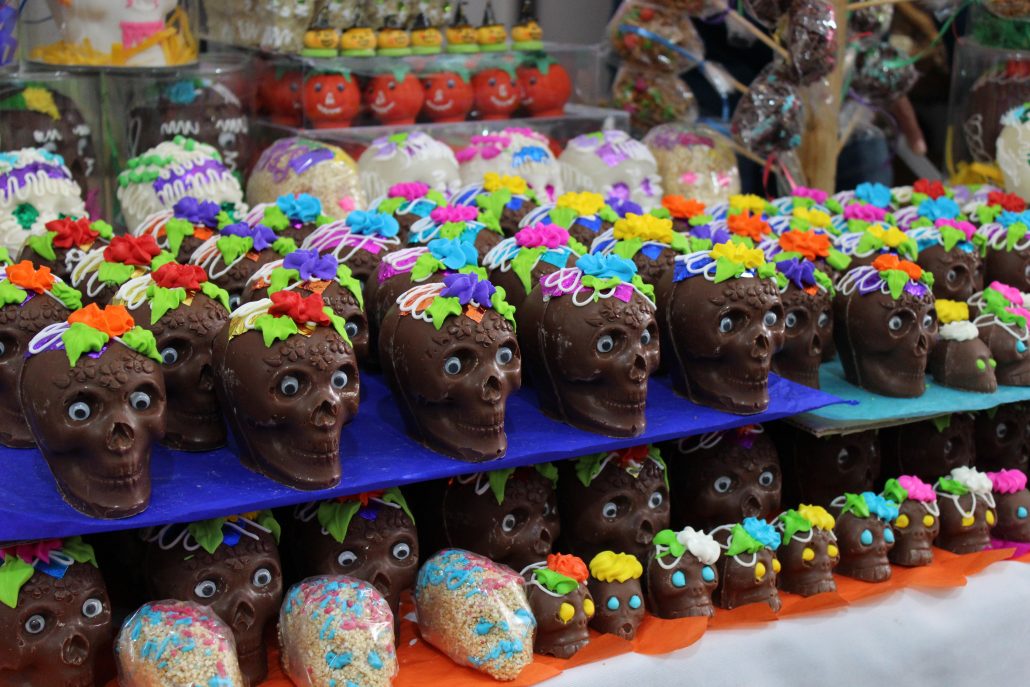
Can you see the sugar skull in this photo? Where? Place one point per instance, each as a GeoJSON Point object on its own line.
{"type": "Point", "coordinates": [1013, 502]}
{"type": "Point", "coordinates": [647, 240]}
{"type": "Point", "coordinates": [408, 157]}
{"type": "Point", "coordinates": [232, 256]}
{"type": "Point", "coordinates": [94, 397]}
{"type": "Point", "coordinates": [614, 585]}
{"type": "Point", "coordinates": [619, 166]}
{"type": "Point", "coordinates": [449, 353]}
{"type": "Point", "coordinates": [724, 477]}
{"type": "Point", "coordinates": [544, 86]}
{"type": "Point", "coordinates": [615, 501]}
{"type": "Point", "coordinates": [961, 359]}
{"type": "Point", "coordinates": [287, 381]}
{"type": "Point", "coordinates": [807, 296]}
{"type": "Point", "coordinates": [1003, 437]}
{"type": "Point", "coordinates": [39, 189]}
{"type": "Point", "coordinates": [65, 242]}
{"type": "Point", "coordinates": [591, 343]}
{"type": "Point", "coordinates": [520, 262]}
{"type": "Point", "coordinates": [818, 469]}
{"type": "Point", "coordinates": [918, 521]}
{"type": "Point", "coordinates": [407, 202]}
{"type": "Point", "coordinates": [1012, 146]}
{"type": "Point", "coordinates": [359, 242]}
{"type": "Point", "coordinates": [294, 216]}
{"type": "Point", "coordinates": [884, 324]}
{"type": "Point", "coordinates": [513, 151]}
{"type": "Point", "coordinates": [967, 510]}
{"type": "Point", "coordinates": [1004, 330]}
{"type": "Point", "coordinates": [229, 564]}
{"type": "Point", "coordinates": [682, 574]}
{"type": "Point", "coordinates": [1008, 251]}
{"type": "Point", "coordinates": [748, 568]}
{"type": "Point", "coordinates": [947, 251]}
{"type": "Point", "coordinates": [331, 100]}
{"type": "Point", "coordinates": [929, 448]}
{"type": "Point", "coordinates": [562, 605]}
{"type": "Point", "coordinates": [809, 551]}
{"type": "Point", "coordinates": [56, 613]}
{"type": "Point", "coordinates": [181, 229]}
{"type": "Point", "coordinates": [503, 200]}
{"type": "Point", "coordinates": [456, 222]}
{"type": "Point", "coordinates": [393, 101]}
{"type": "Point", "coordinates": [864, 535]}
{"type": "Point", "coordinates": [102, 271]}
{"type": "Point", "coordinates": [510, 516]}
{"type": "Point", "coordinates": [449, 96]}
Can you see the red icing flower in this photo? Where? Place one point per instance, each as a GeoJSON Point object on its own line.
{"type": "Point", "coordinates": [364, 497]}
{"type": "Point", "coordinates": [71, 232]}
{"type": "Point", "coordinates": [113, 320]}
{"type": "Point", "coordinates": [934, 189]}
{"type": "Point", "coordinates": [172, 275]}
{"type": "Point", "coordinates": [301, 310]}
{"type": "Point", "coordinates": [889, 261]}
{"type": "Point", "coordinates": [632, 455]}
{"type": "Point", "coordinates": [568, 565]}
{"type": "Point", "coordinates": [132, 250]}
{"type": "Point", "coordinates": [1008, 201]}
{"type": "Point", "coordinates": [30, 552]}
{"type": "Point", "coordinates": [29, 278]}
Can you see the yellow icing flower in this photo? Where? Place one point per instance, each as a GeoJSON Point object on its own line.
{"type": "Point", "coordinates": [892, 237]}
{"type": "Point", "coordinates": [585, 203]}
{"type": "Point", "coordinates": [951, 311]}
{"type": "Point", "coordinates": [609, 566]}
{"type": "Point", "coordinates": [739, 253]}
{"type": "Point", "coordinates": [492, 181]}
{"type": "Point", "coordinates": [817, 218]}
{"type": "Point", "coordinates": [643, 227]}
{"type": "Point", "coordinates": [747, 202]}
{"type": "Point", "coordinates": [816, 515]}
{"type": "Point", "coordinates": [40, 100]}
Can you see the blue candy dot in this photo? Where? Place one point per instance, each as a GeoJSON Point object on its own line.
{"type": "Point", "coordinates": [613, 603]}
{"type": "Point", "coordinates": [634, 602]}
{"type": "Point", "coordinates": [1021, 513]}
{"type": "Point", "coordinates": [707, 574]}
{"type": "Point", "coordinates": [679, 579]}
{"type": "Point", "coordinates": [867, 537]}
{"type": "Point", "coordinates": [1020, 346]}
{"type": "Point", "coordinates": [888, 536]}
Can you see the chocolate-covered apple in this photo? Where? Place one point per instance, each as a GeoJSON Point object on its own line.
{"type": "Point", "coordinates": [724, 477]}
{"type": "Point", "coordinates": [1007, 258]}
{"type": "Point", "coordinates": [30, 300]}
{"type": "Point", "coordinates": [1002, 324]}
{"type": "Point", "coordinates": [184, 311]}
{"type": "Point", "coordinates": [1003, 437]}
{"type": "Point", "coordinates": [456, 222]}
{"type": "Point", "coordinates": [681, 574]}
{"type": "Point", "coordinates": [884, 324]}
{"type": "Point", "coordinates": [748, 567]}
{"type": "Point", "coordinates": [510, 516]}
{"type": "Point", "coordinates": [94, 398]}
{"type": "Point", "coordinates": [65, 242]}
{"type": "Point", "coordinates": [585, 215]}
{"type": "Point", "coordinates": [947, 250]}
{"type": "Point", "coordinates": [721, 320]}
{"type": "Point", "coordinates": [287, 381]}
{"type": "Point", "coordinates": [614, 501]}
{"type": "Point", "coordinates": [101, 272]}
{"type": "Point", "coordinates": [961, 359]}
{"type": "Point", "coordinates": [1013, 505]}
{"type": "Point", "coordinates": [807, 296]}
{"type": "Point", "coordinates": [232, 256]}
{"type": "Point", "coordinates": [307, 272]}
{"type": "Point", "coordinates": [967, 510]}
{"type": "Point", "coordinates": [368, 536]}
{"type": "Point", "coordinates": [293, 215]}
{"type": "Point", "coordinates": [450, 356]}
{"type": "Point", "coordinates": [229, 564]}
{"type": "Point", "coordinates": [359, 242]}
{"type": "Point", "coordinates": [408, 202]}
{"type": "Point", "coordinates": [864, 535]}
{"type": "Point", "coordinates": [591, 343]}
{"type": "Point", "coordinates": [929, 448]}
{"type": "Point", "coordinates": [647, 240]}
{"type": "Point", "coordinates": [918, 520]}
{"type": "Point", "coordinates": [819, 469]}
{"type": "Point", "coordinates": [809, 552]}
{"type": "Point", "coordinates": [503, 200]}
{"type": "Point", "coordinates": [562, 605]}
{"type": "Point", "coordinates": [518, 263]}
{"type": "Point", "coordinates": [618, 599]}
{"type": "Point", "coordinates": [181, 230]}
{"type": "Point", "coordinates": [56, 614]}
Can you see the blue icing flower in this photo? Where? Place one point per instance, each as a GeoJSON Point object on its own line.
{"type": "Point", "coordinates": [606, 266]}
{"type": "Point", "coordinates": [301, 207]}
{"type": "Point", "coordinates": [529, 154]}
{"type": "Point", "coordinates": [1007, 218]}
{"type": "Point", "coordinates": [453, 253]}
{"type": "Point", "coordinates": [182, 92]}
{"type": "Point", "coordinates": [468, 288]}
{"type": "Point", "coordinates": [874, 193]}
{"type": "Point", "coordinates": [763, 532]}
{"type": "Point", "coordinates": [369, 223]}
{"type": "Point", "coordinates": [311, 265]}
{"type": "Point", "coordinates": [941, 208]}
{"type": "Point", "coordinates": [885, 509]}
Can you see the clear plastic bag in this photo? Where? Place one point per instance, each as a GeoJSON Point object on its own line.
{"type": "Point", "coordinates": [881, 73]}
{"type": "Point", "coordinates": [770, 116]}
{"type": "Point", "coordinates": [652, 97]}
{"type": "Point", "coordinates": [337, 630]}
{"type": "Point", "coordinates": [812, 39]}
{"type": "Point", "coordinates": [875, 21]}
{"type": "Point", "coordinates": [176, 644]}
{"type": "Point", "coordinates": [476, 612]}
{"type": "Point", "coordinates": [694, 162]}
{"type": "Point", "coordinates": [654, 36]}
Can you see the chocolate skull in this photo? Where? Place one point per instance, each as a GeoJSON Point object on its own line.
{"type": "Point", "coordinates": [1010, 267]}
{"type": "Point", "coordinates": [233, 276]}
{"type": "Point", "coordinates": [864, 543]}
{"type": "Point", "coordinates": [95, 424]}
{"type": "Point", "coordinates": [286, 403]}
{"type": "Point", "coordinates": [516, 530]}
{"type": "Point", "coordinates": [915, 528]}
{"type": "Point", "coordinates": [818, 469]}
{"type": "Point", "coordinates": [68, 240]}
{"type": "Point", "coordinates": [680, 586]}
{"type": "Point", "coordinates": [392, 278]}
{"type": "Point", "coordinates": [1003, 438]}
{"type": "Point", "coordinates": [747, 577]}
{"type": "Point", "coordinates": [1008, 344]}
{"type": "Point", "coordinates": [957, 273]}
{"type": "Point", "coordinates": [930, 448]}
{"type": "Point", "coordinates": [562, 612]}
{"type": "Point", "coordinates": [963, 363]}
{"type": "Point", "coordinates": [57, 630]}
{"type": "Point", "coordinates": [807, 559]}
{"type": "Point", "coordinates": [614, 584]}
{"type": "Point", "coordinates": [361, 252]}
{"type": "Point", "coordinates": [1013, 506]}
{"type": "Point", "coordinates": [966, 521]}
{"type": "Point", "coordinates": [808, 329]}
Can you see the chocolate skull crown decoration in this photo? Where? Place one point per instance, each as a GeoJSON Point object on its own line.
{"type": "Point", "coordinates": [456, 222]}
{"type": "Point", "coordinates": [307, 272]}
{"type": "Point", "coordinates": [865, 536]}
{"type": "Point", "coordinates": [181, 229]}
{"type": "Point", "coordinates": [297, 347]}
{"type": "Point", "coordinates": [748, 568]}
{"type": "Point", "coordinates": [30, 299]}
{"type": "Point", "coordinates": [721, 320]}
{"type": "Point", "coordinates": [681, 573]}
{"type": "Point", "coordinates": [519, 262]}
{"type": "Point", "coordinates": [1013, 503]}
{"type": "Point", "coordinates": [230, 564]}
{"type": "Point", "coordinates": [94, 398]}
{"type": "Point", "coordinates": [294, 216]}
{"type": "Point", "coordinates": [648, 240]}
{"type": "Point", "coordinates": [961, 359]}
{"type": "Point", "coordinates": [875, 239]}
{"type": "Point", "coordinates": [950, 250]}
{"type": "Point", "coordinates": [809, 552]}
{"type": "Point", "coordinates": [408, 202]}
{"type": "Point", "coordinates": [918, 520]}
{"type": "Point", "coordinates": [451, 358]}
{"type": "Point", "coordinates": [184, 311]}
{"type": "Point", "coordinates": [806, 293]}
{"type": "Point", "coordinates": [102, 271]}
{"type": "Point", "coordinates": [591, 343]}
{"type": "Point", "coordinates": [56, 612]}
{"type": "Point", "coordinates": [503, 200]}
{"type": "Point", "coordinates": [1006, 241]}
{"type": "Point", "coordinates": [585, 215]}
{"type": "Point", "coordinates": [508, 515]}
{"type": "Point", "coordinates": [360, 241]}
{"type": "Point", "coordinates": [618, 599]}
{"type": "Point", "coordinates": [1002, 325]}
{"type": "Point", "coordinates": [558, 594]}
{"type": "Point", "coordinates": [884, 324]}
{"type": "Point", "coordinates": [369, 536]}
{"type": "Point", "coordinates": [967, 510]}
{"type": "Point", "coordinates": [65, 242]}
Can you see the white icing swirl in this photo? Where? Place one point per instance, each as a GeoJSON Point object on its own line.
{"type": "Point", "coordinates": [701, 546]}
{"type": "Point", "coordinates": [962, 330]}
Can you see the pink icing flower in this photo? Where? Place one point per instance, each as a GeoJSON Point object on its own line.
{"type": "Point", "coordinates": [346, 203]}
{"type": "Point", "coordinates": [818, 195]}
{"type": "Point", "coordinates": [30, 552]}
{"type": "Point", "coordinates": [454, 213]}
{"type": "Point", "coordinates": [965, 227]}
{"type": "Point", "coordinates": [1011, 293]}
{"type": "Point", "coordinates": [466, 154]}
{"type": "Point", "coordinates": [548, 235]}
{"type": "Point", "coordinates": [864, 212]}
{"type": "Point", "coordinates": [1020, 311]}
{"type": "Point", "coordinates": [1008, 481]}
{"type": "Point", "coordinates": [917, 489]}
{"type": "Point", "coordinates": [411, 190]}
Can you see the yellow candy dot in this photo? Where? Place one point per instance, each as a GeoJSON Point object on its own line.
{"type": "Point", "coordinates": [990, 517]}
{"type": "Point", "coordinates": [588, 607]}
{"type": "Point", "coordinates": [776, 565]}
{"type": "Point", "coordinates": [808, 554]}
{"type": "Point", "coordinates": [760, 571]}
{"type": "Point", "coordinates": [832, 551]}
{"type": "Point", "coordinates": [901, 522]}
{"type": "Point", "coordinates": [566, 612]}
{"type": "Point", "coordinates": [928, 520]}
{"type": "Point", "coordinates": [968, 521]}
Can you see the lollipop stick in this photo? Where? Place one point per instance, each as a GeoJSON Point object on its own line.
{"type": "Point", "coordinates": [759, 34]}
{"type": "Point", "coordinates": [744, 152]}
{"type": "Point", "coordinates": [872, 3]}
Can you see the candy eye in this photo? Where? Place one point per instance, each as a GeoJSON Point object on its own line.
{"type": "Point", "coordinates": [205, 589]}
{"type": "Point", "coordinates": [401, 551]}
{"type": "Point", "coordinates": [289, 386]}
{"type": "Point", "coordinates": [452, 366]}
{"type": "Point", "coordinates": [824, 318]}
{"type": "Point", "coordinates": [766, 479]}
{"type": "Point", "coordinates": [635, 602]}
{"type": "Point", "coordinates": [888, 536]}
{"type": "Point", "coordinates": [791, 320]}
{"type": "Point", "coordinates": [339, 379]}
{"type": "Point", "coordinates": [169, 356]}
{"type": "Point", "coordinates": [79, 411]}
{"type": "Point", "coordinates": [234, 301]}
{"type": "Point", "coordinates": [140, 400]}
{"type": "Point", "coordinates": [35, 624]}
{"type": "Point", "coordinates": [866, 538]}
{"type": "Point", "coordinates": [645, 338]}
{"type": "Point", "coordinates": [504, 355]}
{"type": "Point", "coordinates": [656, 499]}
{"type": "Point", "coordinates": [927, 321]}
{"type": "Point", "coordinates": [1001, 431]}
{"type": "Point", "coordinates": [346, 558]}
{"type": "Point", "coordinates": [722, 484]}
{"type": "Point", "coordinates": [951, 276]}
{"type": "Point", "coordinates": [588, 607]}
{"type": "Point", "coordinates": [262, 577]}
{"type": "Point", "coordinates": [609, 510]}
{"type": "Point", "coordinates": [351, 328]}
{"type": "Point", "coordinates": [605, 344]}
{"type": "Point", "coordinates": [613, 603]}
{"type": "Point", "coordinates": [770, 319]}
{"type": "Point", "coordinates": [894, 323]}
{"type": "Point", "coordinates": [508, 524]}
{"type": "Point", "coordinates": [726, 325]}
{"type": "Point", "coordinates": [91, 608]}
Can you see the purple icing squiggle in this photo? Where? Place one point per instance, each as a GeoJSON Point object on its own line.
{"type": "Point", "coordinates": [19, 175]}
{"type": "Point", "coordinates": [197, 171]}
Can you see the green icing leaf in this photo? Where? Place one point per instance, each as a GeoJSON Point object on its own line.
{"type": "Point", "coordinates": [494, 203]}
{"type": "Point", "coordinates": [868, 244]}
{"type": "Point", "coordinates": [697, 244]}
{"type": "Point", "coordinates": [699, 220]}
{"type": "Point", "coordinates": [727, 269]}
{"type": "Point", "coordinates": [80, 338]}
{"type": "Point", "coordinates": [14, 573]}
{"type": "Point", "coordinates": [208, 533]}
{"type": "Point", "coordinates": [69, 296]}
{"type": "Point", "coordinates": [599, 284]}
{"type": "Point", "coordinates": [284, 245]}
{"type": "Point", "coordinates": [856, 505]}
{"type": "Point", "coordinates": [335, 517]}
{"type": "Point", "coordinates": [548, 471]}
{"type": "Point", "coordinates": [436, 197]}
{"type": "Point", "coordinates": [274, 328]}
{"type": "Point", "coordinates": [498, 480]}
{"type": "Point", "coordinates": [952, 486]}
{"type": "Point", "coordinates": [339, 324]}
{"type": "Point", "coordinates": [160, 260]}
{"type": "Point", "coordinates": [563, 217]}
{"type": "Point", "coordinates": [577, 247]}
{"type": "Point", "coordinates": [281, 278]}
{"type": "Point", "coordinates": [655, 455]}
{"type": "Point", "coordinates": [502, 306]}
{"type": "Point", "coordinates": [441, 308]}
{"type": "Point", "coordinates": [607, 214]}
{"type": "Point", "coordinates": [490, 221]}
{"type": "Point", "coordinates": [767, 270]}
{"type": "Point", "coordinates": [424, 267]}
{"type": "Point", "coordinates": [9, 293]}
{"type": "Point", "coordinates": [105, 230]}
{"type": "Point", "coordinates": [474, 269]}
{"type": "Point", "coordinates": [79, 551]}
{"type": "Point", "coordinates": [834, 206]}
{"type": "Point", "coordinates": [142, 341]}
{"type": "Point", "coordinates": [115, 273]}
{"type": "Point", "coordinates": [215, 293]}
{"type": "Point", "coordinates": [921, 222]}
{"type": "Point", "coordinates": [233, 247]}
{"type": "Point", "coordinates": [25, 214]}
{"type": "Point", "coordinates": [524, 262]}
{"type": "Point", "coordinates": [345, 278]}
{"type": "Point", "coordinates": [896, 281]}
{"type": "Point", "coordinates": [267, 520]}
{"type": "Point", "coordinates": [909, 249]}
{"type": "Point", "coordinates": [987, 213]}
{"type": "Point", "coordinates": [823, 280]}
{"type": "Point", "coordinates": [646, 289]}
{"type": "Point", "coordinates": [679, 243]}
{"type": "Point", "coordinates": [1014, 235]}
{"type": "Point", "coordinates": [837, 260]}
{"type": "Point", "coordinates": [668, 539]}
{"type": "Point", "coordinates": [162, 300]}
{"type": "Point", "coordinates": [43, 245]}
{"type": "Point", "coordinates": [627, 248]}
{"type": "Point", "coordinates": [661, 213]}
{"type": "Point", "coordinates": [589, 467]}
{"type": "Point", "coordinates": [452, 230]}
{"type": "Point", "coordinates": [555, 581]}
{"type": "Point", "coordinates": [275, 219]}
{"type": "Point", "coordinates": [176, 230]}
{"type": "Point", "coordinates": [894, 491]}
{"type": "Point", "coordinates": [390, 205]}
{"type": "Point", "coordinates": [742, 542]}
{"type": "Point", "coordinates": [793, 522]}
{"type": "Point", "coordinates": [941, 422]}
{"type": "Point", "coordinates": [394, 495]}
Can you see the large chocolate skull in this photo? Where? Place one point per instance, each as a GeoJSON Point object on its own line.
{"type": "Point", "coordinates": [928, 450]}
{"type": "Point", "coordinates": [618, 607]}
{"type": "Point", "coordinates": [739, 477]}
{"type": "Point", "coordinates": [1010, 267]}
{"type": "Point", "coordinates": [95, 424]}
{"type": "Point", "coordinates": [957, 274]}
{"type": "Point", "coordinates": [965, 522]}
{"type": "Point", "coordinates": [1013, 516]}
{"type": "Point", "coordinates": [18, 324]}
{"type": "Point", "coordinates": [1003, 438]}
{"type": "Point", "coordinates": [915, 528]}
{"type": "Point", "coordinates": [680, 587]}
{"type": "Point", "coordinates": [516, 532]}
{"type": "Point", "coordinates": [720, 339]}
{"type": "Point", "coordinates": [808, 329]}
{"type": "Point", "coordinates": [807, 561]}
{"type": "Point", "coordinates": [556, 636]}
{"type": "Point", "coordinates": [747, 578]}
{"type": "Point", "coordinates": [818, 469]}
{"type": "Point", "coordinates": [864, 544]}
{"type": "Point", "coordinates": [1010, 352]}
{"type": "Point", "coordinates": [243, 584]}
{"type": "Point", "coordinates": [54, 635]}
{"type": "Point", "coordinates": [287, 403]}
{"type": "Point", "coordinates": [590, 363]}
{"type": "Point", "coordinates": [452, 384]}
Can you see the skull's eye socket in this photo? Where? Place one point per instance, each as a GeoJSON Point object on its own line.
{"type": "Point", "coordinates": [791, 320]}
{"type": "Point", "coordinates": [234, 301]}
{"type": "Point", "coordinates": [844, 457]}
{"type": "Point", "coordinates": [609, 510]}
{"type": "Point", "coordinates": [1002, 430]}
{"type": "Point", "coordinates": [927, 321]}
{"type": "Point", "coordinates": [289, 386]}
{"type": "Point", "coordinates": [508, 523]}
{"type": "Point", "coordinates": [952, 276]}
{"type": "Point", "coordinates": [79, 411]}
{"type": "Point", "coordinates": [351, 328]}
{"type": "Point", "coordinates": [169, 356]}
{"type": "Point", "coordinates": [895, 323]}
{"type": "Point", "coordinates": [504, 355]}
{"type": "Point", "coordinates": [767, 478]}
{"type": "Point", "coordinates": [645, 338]}
{"type": "Point", "coordinates": [262, 577]}
{"type": "Point", "coordinates": [35, 624]}
{"type": "Point", "coordinates": [139, 400]}
{"type": "Point", "coordinates": [8, 346]}
{"type": "Point", "coordinates": [401, 551]}
{"type": "Point", "coordinates": [722, 484]}
{"type": "Point", "coordinates": [452, 365]}
{"type": "Point", "coordinates": [726, 325]}
{"type": "Point", "coordinates": [770, 319]}
{"type": "Point", "coordinates": [346, 558]}
{"type": "Point", "coordinates": [824, 318]}
{"type": "Point", "coordinates": [205, 589]}
{"type": "Point", "coordinates": [91, 608]}
{"type": "Point", "coordinates": [605, 344]}
{"type": "Point", "coordinates": [656, 499]}
{"type": "Point", "coordinates": [339, 379]}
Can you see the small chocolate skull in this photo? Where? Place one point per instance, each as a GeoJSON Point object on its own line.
{"type": "Point", "coordinates": [930, 448]}
{"type": "Point", "coordinates": [1008, 344]}
{"type": "Point", "coordinates": [864, 544]}
{"type": "Point", "coordinates": [808, 328]}
{"type": "Point", "coordinates": [1013, 515]}
{"type": "Point", "coordinates": [1003, 438]}
{"type": "Point", "coordinates": [915, 528]}
{"type": "Point", "coordinates": [965, 521]}
{"type": "Point", "coordinates": [807, 560]}
{"type": "Point", "coordinates": [957, 274]}
{"type": "Point", "coordinates": [392, 278]}
{"type": "Point", "coordinates": [516, 530]}
{"type": "Point", "coordinates": [818, 469]}
{"type": "Point", "coordinates": [748, 578]}
{"type": "Point", "coordinates": [618, 599]}
{"type": "Point", "coordinates": [682, 586]}
{"type": "Point", "coordinates": [963, 364]}
{"type": "Point", "coordinates": [561, 613]}
{"type": "Point", "coordinates": [57, 630]}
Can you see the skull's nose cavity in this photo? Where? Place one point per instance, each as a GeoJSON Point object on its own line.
{"type": "Point", "coordinates": [207, 378]}
{"type": "Point", "coordinates": [751, 507]}
{"type": "Point", "coordinates": [492, 389]}
{"type": "Point", "coordinates": [761, 347]}
{"type": "Point", "coordinates": [817, 345]}
{"type": "Point", "coordinates": [645, 533]}
{"type": "Point", "coordinates": [922, 344]}
{"type": "Point", "coordinates": [75, 650]}
{"type": "Point", "coordinates": [324, 416]}
{"type": "Point", "coordinates": [243, 616]}
{"type": "Point", "coordinates": [120, 438]}
{"type": "Point", "coordinates": [638, 373]}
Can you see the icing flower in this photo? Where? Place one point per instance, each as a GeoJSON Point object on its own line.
{"type": "Point", "coordinates": [801, 273]}
{"type": "Point", "coordinates": [623, 207]}
{"type": "Point", "coordinates": [132, 250]}
{"type": "Point", "coordinates": [701, 546]}
{"type": "Point", "coordinates": [763, 532]}
{"type": "Point", "coordinates": [311, 265]}
{"type": "Point", "coordinates": [548, 235]}
{"type": "Point", "coordinates": [26, 276]}
{"type": "Point", "coordinates": [72, 232]}
{"type": "Point", "coordinates": [934, 189]}
{"type": "Point", "coordinates": [1008, 201]}
{"type": "Point", "coordinates": [372, 223]}
{"type": "Point", "coordinates": [609, 566]}
{"type": "Point", "coordinates": [643, 227]}
{"type": "Point", "coordinates": [173, 275]}
{"type": "Point", "coordinates": [682, 208]}
{"type": "Point", "coordinates": [889, 261]}
{"type": "Point", "coordinates": [298, 308]}
{"type": "Point", "coordinates": [939, 208]}
{"type": "Point", "coordinates": [585, 204]}
{"type": "Point", "coordinates": [570, 566]}
{"type": "Point", "coordinates": [113, 320]}
{"type": "Point", "coordinates": [916, 489]}
{"type": "Point", "coordinates": [809, 244]}
{"type": "Point", "coordinates": [972, 479]}
{"type": "Point", "coordinates": [454, 213]}
{"type": "Point", "coordinates": [874, 193]}
{"type": "Point", "coordinates": [817, 515]}
{"type": "Point", "coordinates": [816, 218]}
{"type": "Point", "coordinates": [1011, 293]}
{"type": "Point", "coordinates": [748, 202]}
{"type": "Point", "coordinates": [410, 190]}
{"type": "Point", "coordinates": [453, 253]}
{"type": "Point", "coordinates": [606, 266]}
{"type": "Point", "coordinates": [951, 311]}
{"type": "Point", "coordinates": [40, 100]}
{"type": "Point", "coordinates": [864, 212]}
{"type": "Point", "coordinates": [746, 224]}
{"type": "Point", "coordinates": [468, 288]}
{"type": "Point", "coordinates": [750, 258]}
{"type": "Point", "coordinates": [816, 194]}
{"type": "Point", "coordinates": [706, 232]}
{"type": "Point", "coordinates": [1008, 481]}
{"type": "Point", "coordinates": [262, 236]}
{"type": "Point", "coordinates": [301, 207]}
{"type": "Point", "coordinates": [30, 553]}
{"type": "Point", "coordinates": [892, 236]}
{"type": "Point", "coordinates": [516, 185]}
{"type": "Point", "coordinates": [197, 212]}
{"type": "Point", "coordinates": [966, 228]}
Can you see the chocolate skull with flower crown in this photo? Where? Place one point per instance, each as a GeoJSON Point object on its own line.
{"type": "Point", "coordinates": [57, 615]}
{"type": "Point", "coordinates": [619, 166]}
{"type": "Point", "coordinates": [748, 567]}
{"type": "Point", "coordinates": [864, 535]}
{"type": "Point", "coordinates": [1007, 239]}
{"type": "Point", "coordinates": [558, 594]}
{"type": "Point", "coordinates": [681, 573]}
{"type": "Point", "coordinates": [182, 229]}
{"type": "Point", "coordinates": [293, 215]}
{"type": "Point", "coordinates": [948, 249]}
{"type": "Point", "coordinates": [359, 242]}
{"type": "Point", "coordinates": [807, 295]}
{"type": "Point", "coordinates": [809, 551]}
{"type": "Point", "coordinates": [230, 564]}
{"type": "Point", "coordinates": [520, 151]}
{"type": "Point", "coordinates": [408, 202]}
{"type": "Point", "coordinates": [647, 240]}
{"type": "Point", "coordinates": [614, 585]}
{"type": "Point", "coordinates": [103, 270]}
{"type": "Point", "coordinates": [184, 311]}
{"type": "Point", "coordinates": [519, 263]}
{"type": "Point", "coordinates": [30, 300]}
{"type": "Point", "coordinates": [1002, 325]}
{"type": "Point", "coordinates": [503, 200]}
{"type": "Point", "coordinates": [960, 359]}
{"type": "Point", "coordinates": [456, 222]}
{"type": "Point", "coordinates": [236, 252]}
{"type": "Point", "coordinates": [65, 242]}
{"type": "Point", "coordinates": [94, 398]}
{"type": "Point", "coordinates": [591, 343]}
{"type": "Point", "coordinates": [1003, 437]}
{"type": "Point", "coordinates": [449, 353]}
{"type": "Point", "coordinates": [586, 215]}
{"type": "Point", "coordinates": [918, 520]}
{"type": "Point", "coordinates": [967, 510]}
{"type": "Point", "coordinates": [1013, 505]}
{"type": "Point", "coordinates": [296, 351]}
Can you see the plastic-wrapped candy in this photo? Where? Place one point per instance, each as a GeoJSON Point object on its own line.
{"type": "Point", "coordinates": [875, 20]}
{"type": "Point", "coordinates": [694, 162]}
{"type": "Point", "coordinates": [652, 97]}
{"type": "Point", "coordinates": [811, 39]}
{"type": "Point", "coordinates": [1009, 9]}
{"type": "Point", "coordinates": [1013, 149]}
{"type": "Point", "coordinates": [654, 36]}
{"type": "Point", "coordinates": [880, 75]}
{"type": "Point", "coordinates": [767, 12]}
{"type": "Point", "coordinates": [695, 8]}
{"type": "Point", "coordinates": [770, 116]}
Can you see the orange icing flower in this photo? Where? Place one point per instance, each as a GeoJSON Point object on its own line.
{"type": "Point", "coordinates": [682, 208]}
{"type": "Point", "coordinates": [27, 277]}
{"type": "Point", "coordinates": [113, 320]}
{"type": "Point", "coordinates": [889, 261]}
{"type": "Point", "coordinates": [810, 244]}
{"type": "Point", "coordinates": [568, 565]}
{"type": "Point", "coordinates": [747, 224]}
